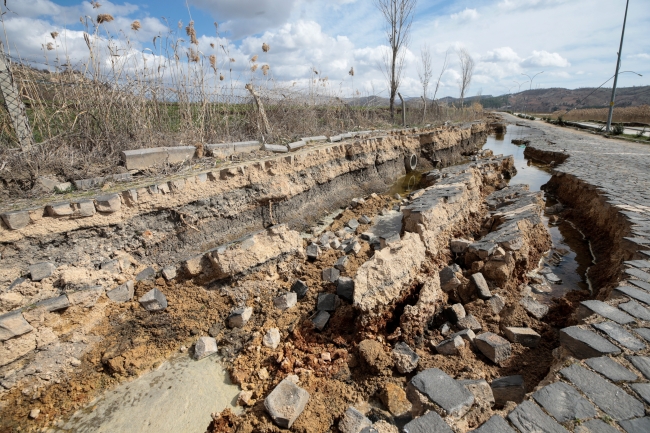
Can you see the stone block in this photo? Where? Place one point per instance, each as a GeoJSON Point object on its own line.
{"type": "Point", "coordinates": [564, 403]}
{"type": "Point", "coordinates": [608, 397]}
{"type": "Point", "coordinates": [220, 150]}
{"type": "Point", "coordinates": [272, 338]}
{"type": "Point", "coordinates": [285, 403]}
{"type": "Point", "coordinates": [153, 300]}
{"type": "Point", "coordinates": [331, 275]}
{"type": "Point", "coordinates": [40, 271]}
{"type": "Point", "coordinates": [529, 418]}
{"type": "Point", "coordinates": [443, 390]}
{"type": "Point", "coordinates": [643, 389]}
{"type": "Point", "coordinates": [112, 266]}
{"type": "Point", "coordinates": [428, 423]}
{"type": "Point", "coordinates": [620, 335]}
{"type": "Point", "coordinates": [205, 346]}
{"type": "Point", "coordinates": [16, 348]}
{"type": "Point", "coordinates": [586, 344]}
{"type": "Point", "coordinates": [239, 317]}
{"type": "Point", "coordinates": [595, 426]}
{"type": "Point", "coordinates": [365, 219]}
{"type": "Point", "coordinates": [145, 274]}
{"type": "Point", "coordinates": [639, 425]}
{"type": "Point", "coordinates": [406, 360]}
{"type": "Point", "coordinates": [275, 148]}
{"type": "Point", "coordinates": [639, 295]}
{"type": "Point", "coordinates": [62, 188]}
{"type": "Point", "coordinates": [123, 293]}
{"type": "Point", "coordinates": [353, 247]}
{"type": "Point", "coordinates": [469, 322]}
{"type": "Point", "coordinates": [496, 348]}
{"type": "Point", "coordinates": [353, 421]}
{"type": "Point", "coordinates": [451, 346]}
{"type": "Point", "coordinates": [317, 138]}
{"type": "Point", "coordinates": [496, 424]}
{"type": "Point", "coordinates": [169, 273]}
{"type": "Point", "coordinates": [86, 184]}
{"type": "Point", "coordinates": [533, 307]}
{"type": "Point", "coordinates": [296, 145]}
{"type": "Point", "coordinates": [635, 309]}
{"type": "Point", "coordinates": [496, 303]}
{"type": "Point", "coordinates": [342, 263]}
{"type": "Point", "coordinates": [611, 369]}
{"type": "Point", "coordinates": [59, 209]}
{"type": "Point", "coordinates": [345, 288]}
{"type": "Point", "coordinates": [607, 311]}
{"type": "Point", "coordinates": [455, 313]}
{"type": "Point", "coordinates": [482, 289]}
{"type": "Point", "coordinates": [12, 325]}
{"type": "Point", "coordinates": [466, 334]}
{"type": "Point", "coordinates": [313, 251]}
{"type": "Point", "coordinates": [320, 320]}
{"type": "Point", "coordinates": [84, 208]}
{"type": "Point", "coordinates": [394, 398]}
{"type": "Point", "coordinates": [285, 300]}
{"type": "Point", "coordinates": [86, 297]}
{"type": "Point", "coordinates": [16, 220]}
{"type": "Point", "coordinates": [524, 336]}
{"type": "Point", "coordinates": [509, 388]}
{"type": "Point", "coordinates": [641, 363]}
{"type": "Point", "coordinates": [448, 278]}
{"type": "Point", "coordinates": [327, 302]}
{"type": "Point", "coordinates": [300, 288]}
{"type": "Point", "coordinates": [108, 203]}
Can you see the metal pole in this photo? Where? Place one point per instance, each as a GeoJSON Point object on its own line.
{"type": "Point", "coordinates": [403, 109]}
{"type": "Point", "coordinates": [530, 87]}
{"type": "Point", "coordinates": [618, 66]}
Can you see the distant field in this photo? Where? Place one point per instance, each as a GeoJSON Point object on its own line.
{"type": "Point", "coordinates": [639, 114]}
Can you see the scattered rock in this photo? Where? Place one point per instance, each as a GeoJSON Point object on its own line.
{"type": "Point", "coordinates": [153, 300]}
{"type": "Point", "coordinates": [245, 398]}
{"type": "Point", "coordinates": [448, 278]}
{"type": "Point", "coordinates": [353, 421]}
{"type": "Point", "coordinates": [496, 348]}
{"type": "Point", "coordinates": [145, 274]}
{"type": "Point", "coordinates": [345, 288]}
{"type": "Point", "coordinates": [299, 288]}
{"type": "Point", "coordinates": [482, 289]}
{"type": "Point", "coordinates": [365, 219]}
{"type": "Point", "coordinates": [481, 390]}
{"type": "Point", "coordinates": [342, 263]}
{"type": "Point", "coordinates": [40, 271]}
{"type": "Point", "coordinates": [272, 338]}
{"type": "Point", "coordinates": [169, 273]}
{"type": "Point", "coordinates": [353, 224]}
{"type": "Point", "coordinates": [313, 251]}
{"type": "Point", "coordinates": [285, 403]}
{"type": "Point", "coordinates": [331, 275]}
{"type": "Point", "coordinates": [286, 300]}
{"type": "Point", "coordinates": [459, 246]}
{"type": "Point", "coordinates": [469, 322]}
{"type": "Point", "coordinates": [510, 388]}
{"type": "Point", "coordinates": [451, 346]}
{"type": "Point", "coordinates": [327, 302]}
{"type": "Point", "coordinates": [215, 330]}
{"type": "Point", "coordinates": [533, 307]}
{"type": "Point", "coordinates": [394, 398]}
{"type": "Point", "coordinates": [34, 413]}
{"type": "Point", "coordinates": [239, 317]}
{"type": "Point", "coordinates": [123, 293]}
{"type": "Point", "coordinates": [441, 389]}
{"type": "Point", "coordinates": [406, 360]}
{"type": "Point", "coordinates": [320, 320]}
{"type": "Point", "coordinates": [524, 336]}
{"type": "Point", "coordinates": [455, 313]}
{"type": "Point", "coordinates": [205, 346]}
{"type": "Point", "coordinates": [496, 303]}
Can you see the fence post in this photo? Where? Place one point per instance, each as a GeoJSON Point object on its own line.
{"type": "Point", "coordinates": [403, 109]}
{"type": "Point", "coordinates": [14, 104]}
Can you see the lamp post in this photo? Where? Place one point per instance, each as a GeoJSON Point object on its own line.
{"type": "Point", "coordinates": [618, 66]}
{"type": "Point", "coordinates": [519, 85]}
{"type": "Point", "coordinates": [531, 85]}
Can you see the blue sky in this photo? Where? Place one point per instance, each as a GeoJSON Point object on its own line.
{"type": "Point", "coordinates": [573, 41]}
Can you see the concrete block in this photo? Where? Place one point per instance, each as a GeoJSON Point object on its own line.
{"type": "Point", "coordinates": [275, 148]}
{"type": "Point", "coordinates": [509, 388]}
{"type": "Point", "coordinates": [108, 203]}
{"type": "Point", "coordinates": [12, 325]}
{"type": "Point", "coordinates": [524, 336]}
{"type": "Point", "coordinates": [16, 220]}
{"type": "Point", "coordinates": [300, 288]}
{"type": "Point", "coordinates": [123, 293]}
{"type": "Point", "coordinates": [239, 317]}
{"type": "Point", "coordinates": [83, 208]}
{"type": "Point", "coordinates": [40, 271]}
{"type": "Point", "coordinates": [204, 346]}
{"type": "Point", "coordinates": [220, 150]}
{"type": "Point", "coordinates": [122, 177]}
{"type": "Point", "coordinates": [286, 300]}
{"type": "Point", "coordinates": [455, 313]}
{"type": "Point", "coordinates": [496, 348]}
{"type": "Point", "coordinates": [317, 138]}
{"type": "Point", "coordinates": [246, 146]}
{"type": "Point", "coordinates": [285, 403]}
{"type": "Point", "coordinates": [59, 209]}
{"type": "Point", "coordinates": [144, 158]}
{"type": "Point", "coordinates": [179, 154]}
{"type": "Point", "coordinates": [153, 300]}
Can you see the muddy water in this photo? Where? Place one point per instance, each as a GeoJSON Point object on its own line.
{"type": "Point", "coordinates": [570, 256]}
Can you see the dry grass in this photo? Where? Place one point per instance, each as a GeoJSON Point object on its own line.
{"type": "Point", "coordinates": [639, 114]}
{"type": "Point", "coordinates": [84, 115]}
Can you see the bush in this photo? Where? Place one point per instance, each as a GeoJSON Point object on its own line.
{"type": "Point", "coordinates": [618, 129]}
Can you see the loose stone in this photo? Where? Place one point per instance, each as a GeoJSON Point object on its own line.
{"type": "Point", "coordinates": [321, 319]}
{"type": "Point", "coordinates": [353, 421]}
{"type": "Point", "coordinates": [442, 390]}
{"type": "Point", "coordinates": [313, 251]}
{"type": "Point", "coordinates": [469, 322]}
{"type": "Point", "coordinates": [299, 288]}
{"type": "Point", "coordinates": [406, 360]}
{"type": "Point", "coordinates": [331, 275]}
{"type": "Point", "coordinates": [496, 348]}
{"type": "Point", "coordinates": [482, 289]}
{"type": "Point", "coordinates": [205, 346]}
{"type": "Point", "coordinates": [285, 403]}
{"type": "Point", "coordinates": [345, 288]}
{"type": "Point", "coordinates": [327, 302]}
{"type": "Point", "coordinates": [272, 338]}
{"type": "Point", "coordinates": [153, 300]}
{"type": "Point", "coordinates": [509, 388]}
{"type": "Point", "coordinates": [286, 300]}
{"type": "Point", "coordinates": [524, 336]}
{"type": "Point", "coordinates": [40, 271]}
{"type": "Point", "coordinates": [533, 307]}
{"type": "Point", "coordinates": [451, 346]}
{"type": "Point", "coordinates": [169, 273]}
{"type": "Point", "coordinates": [123, 293]}
{"type": "Point", "coordinates": [240, 317]}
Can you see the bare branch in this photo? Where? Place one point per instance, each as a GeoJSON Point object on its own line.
{"type": "Point", "coordinates": [466, 72]}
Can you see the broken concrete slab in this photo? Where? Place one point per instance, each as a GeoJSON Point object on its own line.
{"type": "Point", "coordinates": [605, 310]}
{"type": "Point", "coordinates": [205, 346]}
{"type": "Point", "coordinates": [153, 300]}
{"type": "Point", "coordinates": [586, 344]}
{"type": "Point", "coordinates": [620, 335]}
{"type": "Point", "coordinates": [496, 348]}
{"type": "Point", "coordinates": [564, 403]}
{"type": "Point", "coordinates": [285, 403]}
{"type": "Point", "coordinates": [239, 317]}
{"type": "Point", "coordinates": [509, 388]}
{"type": "Point", "coordinates": [12, 325]}
{"type": "Point", "coordinates": [123, 293]}
{"type": "Point", "coordinates": [442, 390]}
{"type": "Point", "coordinates": [611, 369]}
{"type": "Point", "coordinates": [406, 360]}
{"type": "Point", "coordinates": [275, 148]}
{"type": "Point", "coordinates": [40, 271]}
{"type": "Point", "coordinates": [524, 336]}
{"type": "Point", "coordinates": [529, 418]}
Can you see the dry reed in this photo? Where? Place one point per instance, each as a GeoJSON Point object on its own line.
{"type": "Point", "coordinates": [640, 114]}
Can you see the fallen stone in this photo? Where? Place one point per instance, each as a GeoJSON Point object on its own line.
{"type": "Point", "coordinates": [169, 273]}
{"type": "Point", "coordinates": [145, 274]}
{"type": "Point", "coordinates": [586, 344]}
{"type": "Point", "coordinates": [608, 397]}
{"type": "Point", "coordinates": [353, 224]}
{"type": "Point", "coordinates": [299, 288]}
{"type": "Point", "coordinates": [466, 334]}
{"type": "Point", "coordinates": [153, 300]}
{"type": "Point", "coordinates": [445, 329]}
{"type": "Point", "coordinates": [509, 388]}
{"type": "Point", "coordinates": [272, 338]}
{"type": "Point", "coordinates": [459, 246]}
{"type": "Point", "coordinates": [448, 278]}
{"type": "Point", "coordinates": [59, 209]}
{"type": "Point", "coordinates": [320, 320]}
{"type": "Point", "coordinates": [406, 360]}
{"type": "Point", "coordinates": [285, 403]}
{"type": "Point", "coordinates": [342, 263]}
{"type": "Point", "coordinates": [496, 303]}
{"type": "Point", "coordinates": [496, 348]}
{"type": "Point", "coordinates": [108, 203]}
{"type": "Point", "coordinates": [428, 423]}
{"type": "Point", "coordinates": [639, 425]}
{"type": "Point", "coordinates": [564, 403]}
{"type": "Point", "coordinates": [483, 395]}
{"type": "Point", "coordinates": [641, 363]}
{"type": "Point", "coordinates": [635, 309]}
{"type": "Point", "coordinates": [482, 289]}
{"type": "Point", "coordinates": [353, 421]}
{"type": "Point", "coordinates": [611, 369]}
{"type": "Point", "coordinates": [40, 271]}
{"type": "Point", "coordinates": [365, 219]}
{"type": "Point", "coordinates": [12, 325]}
{"type": "Point", "coordinates": [353, 247]}
{"type": "Point", "coordinates": [455, 313]}
{"type": "Point", "coordinates": [451, 346]}
{"type": "Point", "coordinates": [524, 336]}
{"type": "Point", "coordinates": [345, 288]}
{"type": "Point", "coordinates": [87, 297]}
{"type": "Point", "coordinates": [286, 300]}
{"type": "Point", "coordinates": [205, 346]}
{"type": "Point", "coordinates": [394, 398]}
{"type": "Point", "coordinates": [16, 220]}
{"type": "Point", "coordinates": [533, 307]}
{"type": "Point", "coordinates": [112, 266]}
{"type": "Point", "coordinates": [327, 302]}
{"type": "Point", "coordinates": [331, 275]}
{"type": "Point", "coordinates": [496, 424]}
{"type": "Point", "coordinates": [123, 293]}
{"type": "Point", "coordinates": [313, 251]}
{"type": "Point", "coordinates": [620, 335]}
{"type": "Point", "coordinates": [469, 322]}
{"type": "Point", "coordinates": [443, 390]}
{"type": "Point", "coordinates": [239, 317]}
{"type": "Point", "coordinates": [607, 311]}
{"type": "Point", "coordinates": [529, 418]}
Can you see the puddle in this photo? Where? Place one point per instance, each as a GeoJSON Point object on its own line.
{"type": "Point", "coordinates": [177, 397]}
{"type": "Point", "coordinates": [572, 255]}
{"type": "Point", "coordinates": [406, 184]}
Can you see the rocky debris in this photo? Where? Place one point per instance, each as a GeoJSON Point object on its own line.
{"type": "Point", "coordinates": [313, 251]}
{"type": "Point", "coordinates": [299, 288]}
{"type": "Point", "coordinates": [285, 403]}
{"type": "Point", "coordinates": [239, 317]}
{"type": "Point", "coordinates": [375, 357]}
{"type": "Point", "coordinates": [205, 346]}
{"type": "Point", "coordinates": [123, 293]}
{"type": "Point", "coordinates": [331, 275]}
{"type": "Point", "coordinates": [59, 209]}
{"type": "Point", "coordinates": [40, 271]}
{"type": "Point", "coordinates": [285, 300]}
{"type": "Point", "coordinates": [108, 203]}
{"type": "Point", "coordinates": [12, 325]}
{"type": "Point", "coordinates": [365, 219]}
{"type": "Point", "coordinates": [36, 312]}
{"type": "Point", "coordinates": [379, 281]}
{"type": "Point", "coordinates": [533, 307]}
{"type": "Point", "coordinates": [353, 421]}
{"type": "Point", "coordinates": [406, 360]}
{"type": "Point", "coordinates": [112, 266]}
{"type": "Point", "coordinates": [345, 288]}
{"type": "Point", "coordinates": [169, 273]}
{"type": "Point", "coordinates": [153, 300]}
{"type": "Point", "coordinates": [321, 319]}
{"type": "Point", "coordinates": [509, 388]}
{"type": "Point", "coordinates": [327, 302]}
{"type": "Point", "coordinates": [272, 338]}
{"type": "Point", "coordinates": [449, 278]}
{"type": "Point", "coordinates": [483, 395]}
{"type": "Point", "coordinates": [564, 403]}
{"type": "Point", "coordinates": [450, 346]}
{"type": "Point", "coordinates": [87, 297]}
{"type": "Point", "coordinates": [529, 418]}
{"type": "Point", "coordinates": [428, 423]}
{"type": "Point", "coordinates": [145, 274]}
{"type": "Point", "coordinates": [342, 263]}
{"type": "Point", "coordinates": [482, 289]}
{"type": "Point", "coordinates": [394, 398]}
{"type": "Point", "coordinates": [441, 389]}
{"type": "Point", "coordinates": [586, 344]}
{"type": "Point", "coordinates": [466, 334]}
{"type": "Point", "coordinates": [34, 413]}
{"type": "Point", "coordinates": [354, 247]}
{"type": "Point", "coordinates": [455, 313]}
{"type": "Point", "coordinates": [16, 220]}
{"type": "Point", "coordinates": [256, 250]}
{"type": "Point", "coordinates": [524, 336]}
{"type": "Point", "coordinates": [459, 246]}
{"type": "Point", "coordinates": [496, 348]}
{"type": "Point", "coordinates": [469, 322]}
{"type": "Point", "coordinates": [496, 303]}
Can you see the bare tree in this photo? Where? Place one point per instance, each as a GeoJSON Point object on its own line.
{"type": "Point", "coordinates": [398, 16]}
{"type": "Point", "coordinates": [466, 73]}
{"type": "Point", "coordinates": [445, 66]}
{"type": "Point", "coordinates": [424, 72]}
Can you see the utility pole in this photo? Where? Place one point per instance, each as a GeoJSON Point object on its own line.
{"type": "Point", "coordinates": [618, 66]}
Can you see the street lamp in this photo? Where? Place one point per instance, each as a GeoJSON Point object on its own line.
{"type": "Point", "coordinates": [519, 85]}
{"type": "Point", "coordinates": [531, 86]}
{"type": "Point", "coordinates": [618, 66]}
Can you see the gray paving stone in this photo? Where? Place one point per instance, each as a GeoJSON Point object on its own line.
{"type": "Point", "coordinates": [564, 403]}
{"type": "Point", "coordinates": [643, 389]}
{"type": "Point", "coordinates": [300, 288]}
{"type": "Point", "coordinates": [639, 295]}
{"type": "Point", "coordinates": [641, 284]}
{"type": "Point", "coordinates": [153, 300]}
{"type": "Point", "coordinates": [497, 348]}
{"type": "Point", "coordinates": [286, 402]}
{"type": "Point", "coordinates": [620, 335]}
{"type": "Point", "coordinates": [639, 425]}
{"type": "Point", "coordinates": [608, 397]}
{"type": "Point", "coordinates": [428, 423]}
{"type": "Point", "coordinates": [643, 276]}
{"type": "Point", "coordinates": [533, 307]}
{"type": "Point", "coordinates": [321, 319]}
{"type": "Point", "coordinates": [444, 391]}
{"type": "Point", "coordinates": [482, 289]}
{"type": "Point", "coordinates": [353, 421]}
{"type": "Point", "coordinates": [123, 293]}
{"type": "Point", "coordinates": [509, 388]}
{"type": "Point", "coordinates": [524, 336]}
{"type": "Point", "coordinates": [586, 344]}
{"type": "Point", "coordinates": [641, 363]}
{"type": "Point", "coordinates": [327, 302]}
{"type": "Point", "coordinates": [496, 424]}
{"type": "Point", "coordinates": [611, 369]}
{"type": "Point", "coordinates": [529, 418]}
{"type": "Point", "coordinates": [595, 426]}
{"type": "Point", "coordinates": [643, 332]}
{"type": "Point", "coordinates": [641, 264]}
{"type": "Point", "coordinates": [145, 274]}
{"type": "Point", "coordinates": [607, 311]}
{"type": "Point", "coordinates": [635, 309]}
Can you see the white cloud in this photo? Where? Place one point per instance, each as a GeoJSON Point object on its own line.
{"type": "Point", "coordinates": [466, 15]}
{"type": "Point", "coordinates": [642, 56]}
{"type": "Point", "coordinates": [511, 5]}
{"type": "Point", "coordinates": [503, 54]}
{"type": "Point", "coordinates": [545, 59]}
